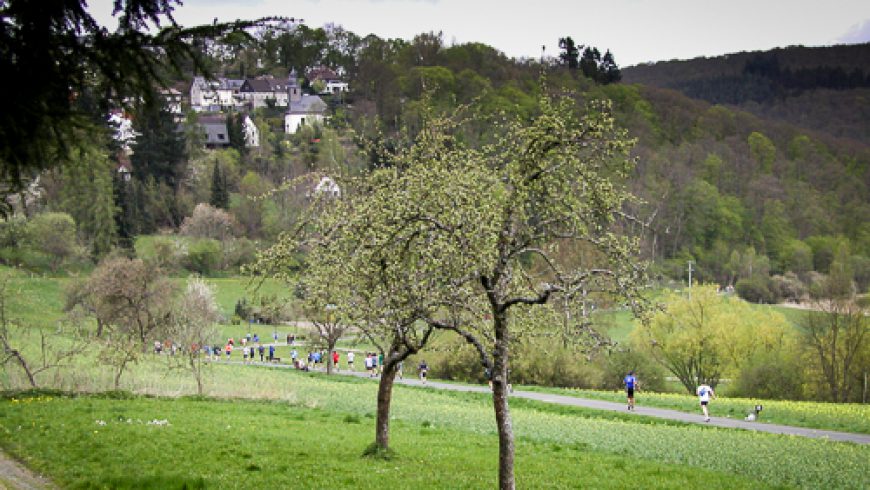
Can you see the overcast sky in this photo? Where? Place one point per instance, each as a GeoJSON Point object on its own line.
{"type": "Point", "coordinates": [636, 31]}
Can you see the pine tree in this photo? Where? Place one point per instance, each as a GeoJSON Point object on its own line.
{"type": "Point", "coordinates": [220, 194]}
{"type": "Point", "coordinates": [236, 130]}
{"type": "Point", "coordinates": [571, 53]}
{"type": "Point", "coordinates": [159, 150]}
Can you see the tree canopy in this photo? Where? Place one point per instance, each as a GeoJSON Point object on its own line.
{"type": "Point", "coordinates": [66, 70]}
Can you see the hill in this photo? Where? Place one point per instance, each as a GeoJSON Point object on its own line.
{"type": "Point", "coordinates": [820, 88]}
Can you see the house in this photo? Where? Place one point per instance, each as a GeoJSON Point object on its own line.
{"type": "Point", "coordinates": [332, 82]}
{"type": "Point", "coordinates": [302, 109]}
{"type": "Point", "coordinates": [215, 130]}
{"type": "Point", "coordinates": [264, 91]}
{"type": "Point", "coordinates": [124, 167]}
{"type": "Point", "coordinates": [172, 99]}
{"type": "Point", "coordinates": [214, 95]}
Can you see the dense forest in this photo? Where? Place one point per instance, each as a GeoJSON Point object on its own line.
{"type": "Point", "coordinates": [755, 167]}
{"type": "Point", "coordinates": [822, 88]}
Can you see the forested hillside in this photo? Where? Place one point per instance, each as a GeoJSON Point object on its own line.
{"type": "Point", "coordinates": [755, 190]}
{"type": "Point", "coordinates": [822, 88]}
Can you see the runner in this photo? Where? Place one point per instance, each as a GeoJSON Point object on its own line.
{"type": "Point", "coordinates": [630, 382]}
{"type": "Point", "coordinates": [369, 364]}
{"type": "Point", "coordinates": [335, 359]}
{"type": "Point", "coordinates": [705, 393]}
{"type": "Point", "coordinates": [350, 356]}
{"type": "Point", "coordinates": [423, 368]}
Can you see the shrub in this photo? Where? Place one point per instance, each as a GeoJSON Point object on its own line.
{"type": "Point", "coordinates": [204, 256]}
{"type": "Point", "coordinates": [788, 287]}
{"type": "Point", "coordinates": [756, 290]}
{"type": "Point", "coordinates": [238, 252]}
{"type": "Point", "coordinates": [54, 235]}
{"type": "Point", "coordinates": [166, 253]}
{"type": "Point", "coordinates": [209, 222]}
{"type": "Point", "coordinates": [615, 365]}
{"type": "Point", "coordinates": [773, 375]}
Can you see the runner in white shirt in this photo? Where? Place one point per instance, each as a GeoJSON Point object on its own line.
{"type": "Point", "coordinates": [704, 394]}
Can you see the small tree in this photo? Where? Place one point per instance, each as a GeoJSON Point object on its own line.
{"type": "Point", "coordinates": [193, 326]}
{"type": "Point", "coordinates": [220, 193]}
{"type": "Point", "coordinates": [320, 308]}
{"type": "Point", "coordinates": [837, 331]}
{"type": "Point", "coordinates": [209, 222]}
{"type": "Point", "coordinates": [702, 337]}
{"type": "Point", "coordinates": [132, 297]}
{"type": "Point", "coordinates": [49, 354]}
{"type": "Point", "coordinates": [54, 234]}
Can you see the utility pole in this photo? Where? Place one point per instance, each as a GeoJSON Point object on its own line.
{"type": "Point", "coordinates": [690, 279]}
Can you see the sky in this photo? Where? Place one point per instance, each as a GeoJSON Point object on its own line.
{"type": "Point", "coordinates": [636, 31]}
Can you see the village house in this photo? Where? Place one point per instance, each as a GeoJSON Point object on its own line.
{"type": "Point", "coordinates": [264, 91]}
{"type": "Point", "coordinates": [215, 95]}
{"type": "Point", "coordinates": [330, 80]}
{"type": "Point", "coordinates": [302, 109]}
{"type": "Point", "coordinates": [215, 130]}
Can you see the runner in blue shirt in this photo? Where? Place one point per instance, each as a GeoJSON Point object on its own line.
{"type": "Point", "coordinates": [630, 383]}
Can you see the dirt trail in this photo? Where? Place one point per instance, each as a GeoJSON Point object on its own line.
{"type": "Point", "coordinates": [13, 475]}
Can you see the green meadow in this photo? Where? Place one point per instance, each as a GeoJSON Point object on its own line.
{"type": "Point", "coordinates": [277, 427]}
{"type": "Point", "coordinates": [280, 428]}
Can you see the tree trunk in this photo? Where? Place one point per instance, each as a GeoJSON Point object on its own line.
{"type": "Point", "coordinates": [385, 395]}
{"type": "Point", "coordinates": [23, 363]}
{"type": "Point", "coordinates": [500, 403]}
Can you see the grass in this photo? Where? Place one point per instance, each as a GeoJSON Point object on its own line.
{"type": "Point", "coordinates": [464, 418]}
{"type": "Point", "coordinates": [90, 442]}
{"type": "Point", "coordinates": [246, 436]}
{"type": "Point", "coordinates": [815, 415]}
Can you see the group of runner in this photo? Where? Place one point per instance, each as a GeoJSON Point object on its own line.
{"type": "Point", "coordinates": [705, 394]}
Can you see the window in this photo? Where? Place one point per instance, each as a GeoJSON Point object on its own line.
{"type": "Point", "coordinates": [220, 136]}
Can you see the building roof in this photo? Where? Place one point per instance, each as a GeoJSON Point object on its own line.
{"type": "Point", "coordinates": [219, 83]}
{"type": "Point", "coordinates": [308, 104]}
{"type": "Point", "coordinates": [263, 84]}
{"type": "Point", "coordinates": [322, 73]}
{"type": "Point", "coordinates": [215, 127]}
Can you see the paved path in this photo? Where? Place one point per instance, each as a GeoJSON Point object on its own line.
{"type": "Point", "coordinates": [640, 411]}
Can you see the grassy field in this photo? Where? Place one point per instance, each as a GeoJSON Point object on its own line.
{"type": "Point", "coordinates": [281, 428]}
{"type": "Point", "coordinates": [166, 443]}
{"type": "Point", "coordinates": [305, 426]}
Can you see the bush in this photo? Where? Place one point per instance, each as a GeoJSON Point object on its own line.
{"type": "Point", "coordinates": [615, 365]}
{"type": "Point", "coordinates": [209, 222]}
{"type": "Point", "coordinates": [54, 235]}
{"type": "Point", "coordinates": [204, 256]}
{"type": "Point", "coordinates": [237, 253]}
{"type": "Point", "coordinates": [788, 287]}
{"type": "Point", "coordinates": [773, 375]}
{"type": "Point", "coordinates": [756, 290]}
{"type": "Point", "coordinates": [165, 252]}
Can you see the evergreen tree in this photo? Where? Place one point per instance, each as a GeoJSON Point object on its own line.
{"type": "Point", "coordinates": [590, 61]}
{"type": "Point", "coordinates": [86, 194]}
{"type": "Point", "coordinates": [608, 71]}
{"type": "Point", "coordinates": [570, 53]}
{"type": "Point", "coordinates": [236, 130]}
{"type": "Point", "coordinates": [220, 194]}
{"type": "Point", "coordinates": [159, 150]}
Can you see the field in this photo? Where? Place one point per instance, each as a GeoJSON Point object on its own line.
{"type": "Point", "coordinates": [305, 425]}
{"type": "Point", "coordinates": [279, 428]}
